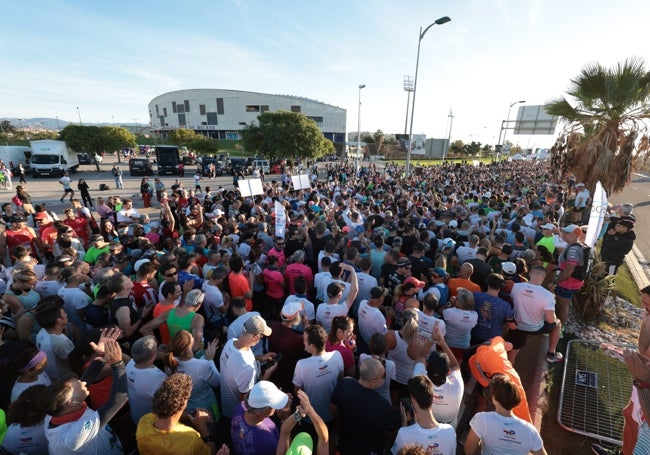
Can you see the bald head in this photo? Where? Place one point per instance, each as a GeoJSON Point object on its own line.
{"type": "Point", "coordinates": [370, 369]}
{"type": "Point", "coordinates": [466, 270]}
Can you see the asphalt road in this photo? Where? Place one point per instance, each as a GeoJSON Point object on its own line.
{"type": "Point", "coordinates": [49, 190]}
{"type": "Point", "coordinates": [638, 193]}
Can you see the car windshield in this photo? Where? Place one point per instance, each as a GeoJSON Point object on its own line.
{"type": "Point", "coordinates": [45, 159]}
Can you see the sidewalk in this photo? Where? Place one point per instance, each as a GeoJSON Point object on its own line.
{"type": "Point", "coordinates": [531, 366]}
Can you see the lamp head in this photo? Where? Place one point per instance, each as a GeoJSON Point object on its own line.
{"type": "Point", "coordinates": [362, 86]}
{"type": "Point", "coordinates": [443, 20]}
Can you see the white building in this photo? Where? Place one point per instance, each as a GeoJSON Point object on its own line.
{"type": "Point", "coordinates": [220, 114]}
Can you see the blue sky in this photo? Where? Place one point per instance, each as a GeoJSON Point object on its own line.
{"type": "Point", "coordinates": [112, 58]}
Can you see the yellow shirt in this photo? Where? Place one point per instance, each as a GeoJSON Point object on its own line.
{"type": "Point", "coordinates": [183, 439]}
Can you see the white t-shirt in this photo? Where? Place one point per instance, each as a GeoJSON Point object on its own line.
{"type": "Point", "coordinates": [83, 436]}
{"type": "Point", "coordinates": [459, 326]}
{"type": "Point", "coordinates": [48, 288]}
{"type": "Point", "coordinates": [371, 321]}
{"type": "Point", "coordinates": [142, 384]}
{"type": "Point", "coordinates": [326, 313]}
{"type": "Point", "coordinates": [213, 299]}
{"type": "Point", "coordinates": [20, 387]}
{"type": "Point", "coordinates": [239, 371]}
{"type": "Point", "coordinates": [56, 348]}
{"type": "Point", "coordinates": [440, 440]}
{"type": "Point", "coordinates": [530, 302]}
{"type": "Point", "coordinates": [25, 440]}
{"type": "Point", "coordinates": [426, 324]}
{"type": "Point", "coordinates": [505, 435]}
{"type": "Point", "coordinates": [318, 376]}
{"type": "Point", "coordinates": [204, 376]}
{"type": "Point", "coordinates": [236, 328]}
{"type": "Point", "coordinates": [326, 282]}
{"type": "Point", "coordinates": [447, 398]}
{"type": "Point", "coordinates": [319, 278]}
{"type": "Point", "coordinates": [465, 253]}
{"type": "Point", "coordinates": [365, 284]}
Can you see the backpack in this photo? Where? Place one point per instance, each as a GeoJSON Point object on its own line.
{"type": "Point", "coordinates": [581, 271]}
{"type": "Point", "coordinates": [103, 187]}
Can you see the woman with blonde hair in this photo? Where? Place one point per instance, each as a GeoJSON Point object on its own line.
{"type": "Point", "coordinates": [401, 345]}
{"type": "Point", "coordinates": [180, 359]}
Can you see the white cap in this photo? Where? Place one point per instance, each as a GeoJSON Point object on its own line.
{"type": "Point", "coordinates": [291, 309]}
{"type": "Point", "coordinates": [266, 394]}
{"type": "Point", "coordinates": [139, 264]}
{"type": "Point", "coordinates": [509, 267]}
{"type": "Point", "coordinates": [453, 224]}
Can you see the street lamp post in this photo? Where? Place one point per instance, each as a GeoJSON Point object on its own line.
{"type": "Point", "coordinates": [440, 21]}
{"type": "Point", "coordinates": [451, 122]}
{"type": "Point", "coordinates": [79, 114]}
{"type": "Point", "coordinates": [504, 129]}
{"type": "Point", "coordinates": [361, 86]}
{"type": "Point", "coordinates": [408, 88]}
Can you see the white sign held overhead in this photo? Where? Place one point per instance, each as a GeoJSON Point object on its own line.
{"type": "Point", "coordinates": [280, 219]}
{"type": "Point", "coordinates": [252, 187]}
{"type": "Point", "coordinates": [300, 182]}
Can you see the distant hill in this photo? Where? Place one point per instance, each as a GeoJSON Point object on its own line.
{"type": "Point", "coordinates": [56, 124]}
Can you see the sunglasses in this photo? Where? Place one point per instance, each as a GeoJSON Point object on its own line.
{"type": "Point", "coordinates": [169, 275]}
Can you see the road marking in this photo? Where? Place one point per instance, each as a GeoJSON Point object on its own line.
{"type": "Point", "coordinates": [641, 175]}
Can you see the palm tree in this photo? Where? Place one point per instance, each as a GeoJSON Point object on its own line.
{"type": "Point", "coordinates": [606, 134]}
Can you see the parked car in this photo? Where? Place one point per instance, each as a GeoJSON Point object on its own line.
{"type": "Point", "coordinates": [140, 166]}
{"type": "Point", "coordinates": [85, 158]}
{"type": "Point", "coordinates": [205, 167]}
{"type": "Point", "coordinates": [239, 165]}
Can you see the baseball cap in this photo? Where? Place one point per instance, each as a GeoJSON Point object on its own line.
{"type": "Point", "coordinates": [139, 263]}
{"type": "Point", "coordinates": [17, 219]}
{"type": "Point", "coordinates": [572, 228]}
{"type": "Point", "coordinates": [453, 224]}
{"type": "Point", "coordinates": [256, 324]}
{"type": "Point", "coordinates": [627, 220]}
{"type": "Point", "coordinates": [548, 226]}
{"type": "Point", "coordinates": [580, 185]}
{"type": "Point", "coordinates": [404, 262]}
{"type": "Point", "coordinates": [509, 267]}
{"type": "Point", "coordinates": [302, 444]}
{"type": "Point", "coordinates": [378, 292]}
{"type": "Point", "coordinates": [265, 394]}
{"type": "Point", "coordinates": [415, 282]}
{"type": "Point", "coordinates": [345, 229]}
{"type": "Point", "coordinates": [291, 309]}
{"type": "Point", "coordinates": [40, 216]}
{"type": "Point", "coordinates": [97, 238]}
{"type": "Point", "coordinates": [359, 229]}
{"type": "Point", "coordinates": [448, 243]}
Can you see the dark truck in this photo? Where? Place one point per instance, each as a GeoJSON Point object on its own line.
{"type": "Point", "coordinates": [168, 159]}
{"type": "Point", "coordinates": [140, 166]}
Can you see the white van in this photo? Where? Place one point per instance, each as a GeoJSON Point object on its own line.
{"type": "Point", "coordinates": [263, 164]}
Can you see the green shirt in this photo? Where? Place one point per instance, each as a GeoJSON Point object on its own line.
{"type": "Point", "coordinates": [93, 253]}
{"type": "Point", "coordinates": [548, 242]}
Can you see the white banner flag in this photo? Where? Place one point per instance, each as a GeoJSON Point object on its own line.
{"type": "Point", "coordinates": [280, 219]}
{"type": "Point", "coordinates": [597, 215]}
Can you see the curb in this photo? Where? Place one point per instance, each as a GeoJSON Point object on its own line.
{"type": "Point", "coordinates": [637, 265]}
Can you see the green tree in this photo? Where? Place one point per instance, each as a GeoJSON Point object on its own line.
{"type": "Point", "coordinates": [473, 148]}
{"type": "Point", "coordinates": [7, 127]}
{"type": "Point", "coordinates": [84, 138]}
{"type": "Point", "coordinates": [115, 138]}
{"type": "Point", "coordinates": [605, 136]}
{"type": "Point", "coordinates": [457, 147]}
{"type": "Point", "coordinates": [183, 137]}
{"type": "Point", "coordinates": [204, 146]}
{"type": "Point", "coordinates": [379, 140]}
{"type": "Point", "coordinates": [285, 134]}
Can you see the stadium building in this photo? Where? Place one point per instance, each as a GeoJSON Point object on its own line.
{"type": "Point", "coordinates": [221, 114]}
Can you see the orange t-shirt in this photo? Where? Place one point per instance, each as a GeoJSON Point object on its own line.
{"type": "Point", "coordinates": [238, 287]}
{"type": "Point", "coordinates": [455, 283]}
{"type": "Point", "coordinates": [491, 359]}
{"type": "Point", "coordinates": [159, 309]}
